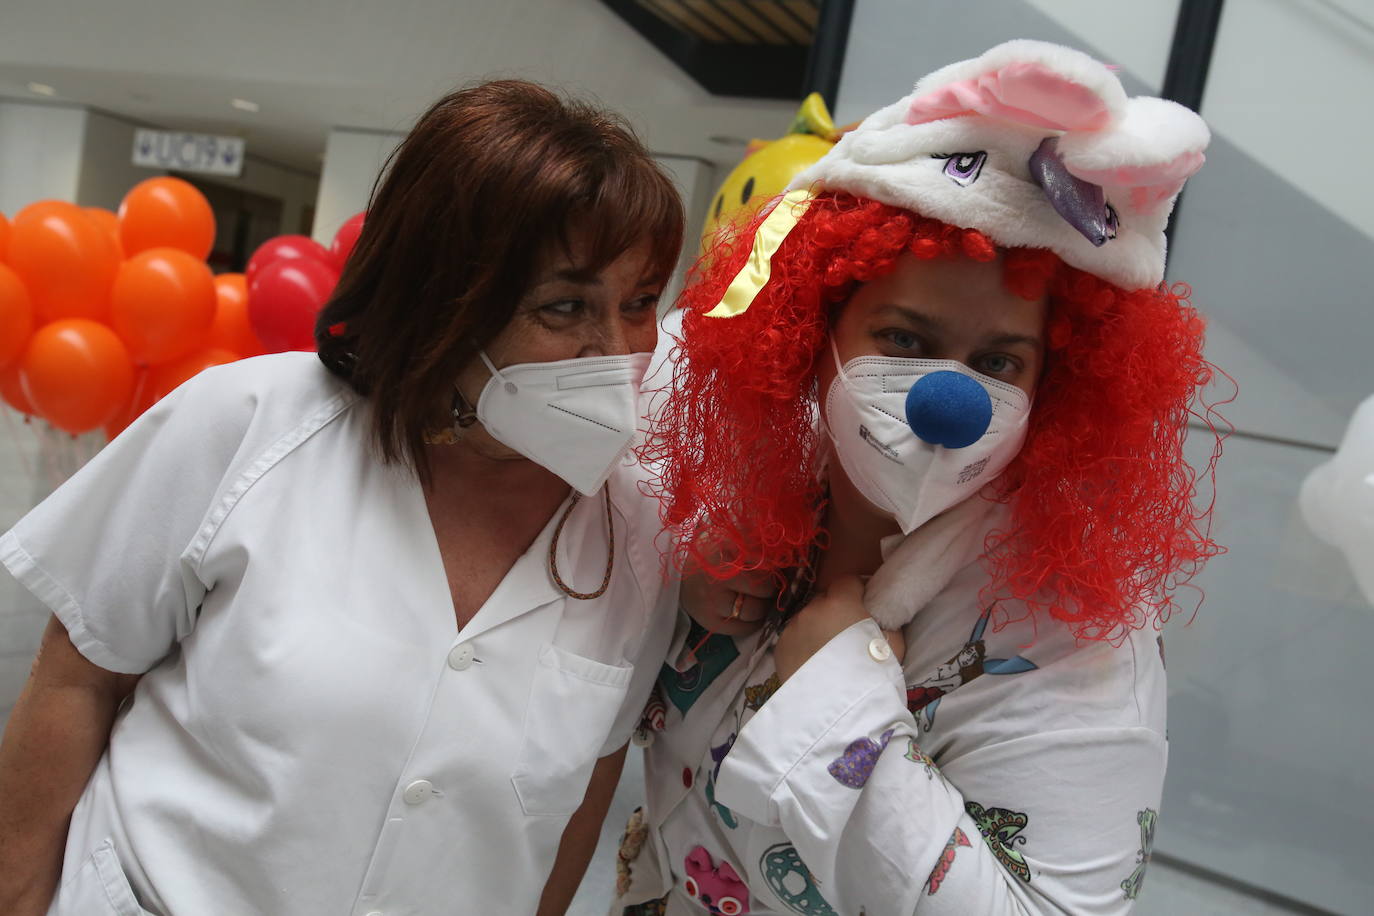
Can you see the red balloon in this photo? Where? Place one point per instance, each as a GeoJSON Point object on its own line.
{"type": "Point", "coordinates": [345, 239]}
{"type": "Point", "coordinates": [162, 304]}
{"type": "Point", "coordinates": [77, 374]}
{"type": "Point", "coordinates": [66, 261]}
{"type": "Point", "coordinates": [170, 376]}
{"type": "Point", "coordinates": [284, 299]}
{"type": "Point", "coordinates": [231, 329]}
{"type": "Point", "coordinates": [4, 236]}
{"type": "Point", "coordinates": [16, 316]}
{"type": "Point", "coordinates": [285, 247]}
{"type": "Point", "coordinates": [12, 391]}
{"type": "Point", "coordinates": [166, 213]}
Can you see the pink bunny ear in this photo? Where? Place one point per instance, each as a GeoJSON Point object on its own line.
{"type": "Point", "coordinates": [1026, 92]}
{"type": "Point", "coordinates": [1151, 185]}
{"type": "Point", "coordinates": [728, 873]}
{"type": "Point", "coordinates": [1155, 147]}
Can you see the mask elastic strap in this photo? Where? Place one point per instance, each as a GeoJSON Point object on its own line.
{"type": "Point", "coordinates": [839, 367]}
{"type": "Point", "coordinates": [510, 386]}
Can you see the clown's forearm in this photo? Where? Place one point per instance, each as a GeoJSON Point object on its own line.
{"type": "Point", "coordinates": [832, 759]}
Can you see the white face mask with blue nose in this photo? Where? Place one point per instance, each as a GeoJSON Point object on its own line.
{"type": "Point", "coordinates": [918, 436]}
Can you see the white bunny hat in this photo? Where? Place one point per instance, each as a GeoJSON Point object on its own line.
{"type": "Point", "coordinates": [1035, 145]}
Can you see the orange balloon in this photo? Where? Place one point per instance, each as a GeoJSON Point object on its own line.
{"type": "Point", "coordinates": [140, 400]}
{"type": "Point", "coordinates": [76, 373]}
{"type": "Point", "coordinates": [170, 376]}
{"type": "Point", "coordinates": [12, 391]}
{"type": "Point", "coordinates": [166, 213]}
{"type": "Point", "coordinates": [66, 261]}
{"type": "Point", "coordinates": [162, 304]}
{"type": "Point", "coordinates": [16, 316]}
{"type": "Point", "coordinates": [231, 329]}
{"type": "Point", "coordinates": [4, 236]}
{"type": "Point", "coordinates": [107, 221]}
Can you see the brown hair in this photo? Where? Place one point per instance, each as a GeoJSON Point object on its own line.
{"type": "Point", "coordinates": [487, 181]}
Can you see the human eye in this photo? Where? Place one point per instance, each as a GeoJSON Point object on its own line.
{"type": "Point", "coordinates": [997, 364]}
{"type": "Point", "coordinates": [900, 339]}
{"type": "Point", "coordinates": [643, 303]}
{"type": "Point", "coordinates": [564, 308]}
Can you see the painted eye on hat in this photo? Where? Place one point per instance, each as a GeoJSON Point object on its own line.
{"type": "Point", "coordinates": [963, 168]}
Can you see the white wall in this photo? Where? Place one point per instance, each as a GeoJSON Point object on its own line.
{"type": "Point", "coordinates": [107, 169]}
{"type": "Point", "coordinates": [1304, 114]}
{"type": "Point", "coordinates": [72, 153]}
{"type": "Point", "coordinates": [353, 158]}
{"type": "Point", "coordinates": [1134, 35]}
{"type": "Point", "coordinates": [40, 153]}
{"type": "Point", "coordinates": [696, 182]}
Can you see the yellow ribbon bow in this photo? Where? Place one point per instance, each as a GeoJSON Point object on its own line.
{"type": "Point", "coordinates": [753, 276]}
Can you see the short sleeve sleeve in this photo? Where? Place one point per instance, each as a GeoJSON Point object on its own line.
{"type": "Point", "coordinates": [107, 551]}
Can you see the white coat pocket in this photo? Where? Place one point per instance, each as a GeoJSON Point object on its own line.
{"type": "Point", "coordinates": [99, 888]}
{"type": "Point", "coordinates": [573, 703]}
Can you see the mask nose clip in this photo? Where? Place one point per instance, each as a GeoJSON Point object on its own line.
{"type": "Point", "coordinates": [948, 408]}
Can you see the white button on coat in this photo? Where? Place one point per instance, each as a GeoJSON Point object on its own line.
{"type": "Point", "coordinates": [460, 658]}
{"type": "Point", "coordinates": [418, 792]}
{"type": "Point", "coordinates": [281, 590]}
{"type": "Point", "coordinates": [879, 649]}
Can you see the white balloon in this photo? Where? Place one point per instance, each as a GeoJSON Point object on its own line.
{"type": "Point", "coordinates": [1337, 498]}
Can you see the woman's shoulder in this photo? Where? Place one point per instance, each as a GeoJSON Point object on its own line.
{"type": "Point", "coordinates": [278, 383]}
{"type": "Point", "coordinates": [253, 400]}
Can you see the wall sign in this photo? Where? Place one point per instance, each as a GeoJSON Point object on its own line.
{"type": "Point", "coordinates": [185, 152]}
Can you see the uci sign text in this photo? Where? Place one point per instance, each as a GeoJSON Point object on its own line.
{"type": "Point", "coordinates": [183, 152]}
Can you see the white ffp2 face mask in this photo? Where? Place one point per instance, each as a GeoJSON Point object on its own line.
{"type": "Point", "coordinates": [910, 479]}
{"type": "Point", "coordinates": [575, 417]}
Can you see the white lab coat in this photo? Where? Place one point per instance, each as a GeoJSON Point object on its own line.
{"type": "Point", "coordinates": [313, 734]}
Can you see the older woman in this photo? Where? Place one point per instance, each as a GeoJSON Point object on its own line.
{"type": "Point", "coordinates": [372, 628]}
{"type": "Point", "coordinates": [966, 293]}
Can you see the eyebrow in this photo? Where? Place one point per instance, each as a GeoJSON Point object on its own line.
{"type": "Point", "coordinates": [936, 326]}
{"type": "Point", "coordinates": [585, 276]}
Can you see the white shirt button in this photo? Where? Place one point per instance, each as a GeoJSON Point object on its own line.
{"type": "Point", "coordinates": [375, 913]}
{"type": "Point", "coordinates": [880, 650]}
{"type": "Point", "coordinates": [418, 792]}
{"type": "Point", "coordinates": [460, 658]}
{"type": "Point", "coordinates": [642, 737]}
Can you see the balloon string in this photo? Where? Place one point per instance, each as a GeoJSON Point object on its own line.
{"type": "Point", "coordinates": [18, 444]}
{"type": "Point", "coordinates": [51, 458]}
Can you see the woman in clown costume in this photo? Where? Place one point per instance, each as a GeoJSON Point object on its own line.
{"type": "Point", "coordinates": [938, 391]}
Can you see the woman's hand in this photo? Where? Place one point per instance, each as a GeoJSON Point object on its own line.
{"type": "Point", "coordinates": [825, 617]}
{"type": "Point", "coordinates": [735, 607]}
{"type": "Point", "coordinates": [731, 607]}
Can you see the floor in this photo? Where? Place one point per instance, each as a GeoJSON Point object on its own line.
{"type": "Point", "coordinates": [33, 460]}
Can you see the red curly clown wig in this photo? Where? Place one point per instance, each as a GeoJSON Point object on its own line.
{"type": "Point", "coordinates": [1103, 526]}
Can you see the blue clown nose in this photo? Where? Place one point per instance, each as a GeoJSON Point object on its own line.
{"type": "Point", "coordinates": [948, 408]}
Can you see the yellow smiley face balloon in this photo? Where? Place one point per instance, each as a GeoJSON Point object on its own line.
{"type": "Point", "coordinates": [769, 166]}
